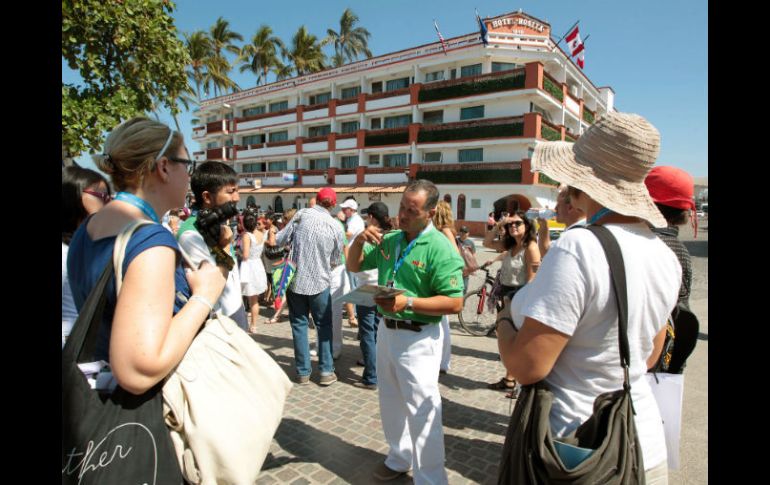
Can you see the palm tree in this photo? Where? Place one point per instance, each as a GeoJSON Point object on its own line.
{"type": "Point", "coordinates": [200, 49]}
{"type": "Point", "coordinates": [284, 71]}
{"type": "Point", "coordinates": [261, 56]}
{"type": "Point", "coordinates": [350, 42]}
{"type": "Point", "coordinates": [222, 40]}
{"type": "Point", "coordinates": [217, 70]}
{"type": "Point", "coordinates": [305, 55]}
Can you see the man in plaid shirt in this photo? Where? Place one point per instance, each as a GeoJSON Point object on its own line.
{"type": "Point", "coordinates": [317, 242]}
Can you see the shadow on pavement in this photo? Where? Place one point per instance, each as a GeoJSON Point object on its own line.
{"type": "Point", "coordinates": [475, 459]}
{"type": "Point", "coordinates": [703, 336]}
{"type": "Point", "coordinates": [459, 416]}
{"type": "Point", "coordinates": [698, 249]}
{"type": "Point", "coordinates": [481, 354]}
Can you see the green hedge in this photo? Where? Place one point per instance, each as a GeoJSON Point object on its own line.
{"type": "Point", "coordinates": [387, 139]}
{"type": "Point", "coordinates": [476, 175]}
{"type": "Point", "coordinates": [494, 131]}
{"type": "Point", "coordinates": [553, 89]}
{"type": "Point", "coordinates": [569, 138]}
{"type": "Point", "coordinates": [549, 133]}
{"type": "Point", "coordinates": [587, 116]}
{"type": "Point", "coordinates": [471, 88]}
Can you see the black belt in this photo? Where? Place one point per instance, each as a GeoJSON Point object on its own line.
{"type": "Point", "coordinates": [404, 324]}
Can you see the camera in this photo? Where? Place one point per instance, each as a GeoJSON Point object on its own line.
{"type": "Point", "coordinates": [209, 221]}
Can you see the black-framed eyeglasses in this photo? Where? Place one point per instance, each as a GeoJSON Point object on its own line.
{"type": "Point", "coordinates": [104, 196]}
{"type": "Point", "coordinates": [190, 163]}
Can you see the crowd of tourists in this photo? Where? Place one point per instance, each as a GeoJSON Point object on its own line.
{"type": "Point", "coordinates": [557, 312]}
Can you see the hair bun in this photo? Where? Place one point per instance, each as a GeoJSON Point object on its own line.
{"type": "Point", "coordinates": [104, 162]}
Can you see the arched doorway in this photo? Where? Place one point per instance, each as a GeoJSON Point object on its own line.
{"type": "Point", "coordinates": [510, 204]}
{"type": "Point", "coordinates": [448, 199]}
{"type": "Point", "coordinates": [251, 201]}
{"type": "Point", "coordinates": [278, 204]}
{"type": "Point", "coordinates": [461, 207]}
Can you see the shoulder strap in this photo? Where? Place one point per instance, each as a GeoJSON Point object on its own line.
{"type": "Point", "coordinates": [618, 276]}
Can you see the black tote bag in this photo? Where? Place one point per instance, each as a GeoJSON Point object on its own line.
{"type": "Point", "coordinates": [116, 438]}
{"type": "Point", "coordinates": [532, 456]}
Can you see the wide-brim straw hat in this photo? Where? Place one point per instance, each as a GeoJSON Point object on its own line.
{"type": "Point", "coordinates": [609, 162]}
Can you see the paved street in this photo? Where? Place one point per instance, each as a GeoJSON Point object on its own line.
{"type": "Point", "coordinates": [334, 435]}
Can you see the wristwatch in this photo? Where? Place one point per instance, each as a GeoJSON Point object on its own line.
{"type": "Point", "coordinates": [410, 303]}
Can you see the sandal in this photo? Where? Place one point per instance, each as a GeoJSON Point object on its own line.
{"type": "Point", "coordinates": [271, 321]}
{"type": "Point", "coordinates": [503, 385]}
{"type": "Point", "coordinates": [253, 329]}
{"type": "Point", "coordinates": [514, 394]}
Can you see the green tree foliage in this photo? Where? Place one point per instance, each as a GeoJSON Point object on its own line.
{"type": "Point", "coordinates": [261, 55]}
{"type": "Point", "coordinates": [350, 42]}
{"type": "Point", "coordinates": [199, 51]}
{"type": "Point", "coordinates": [130, 59]}
{"type": "Point", "coordinates": [305, 54]}
{"type": "Point", "coordinates": [222, 40]}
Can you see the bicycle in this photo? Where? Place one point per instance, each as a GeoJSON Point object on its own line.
{"type": "Point", "coordinates": [473, 317]}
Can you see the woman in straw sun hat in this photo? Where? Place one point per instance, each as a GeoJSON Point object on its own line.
{"type": "Point", "coordinates": [566, 318]}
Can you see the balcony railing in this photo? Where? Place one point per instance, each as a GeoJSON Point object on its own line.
{"type": "Point", "coordinates": [312, 107]}
{"type": "Point", "coordinates": [392, 136]}
{"type": "Point", "coordinates": [461, 173]}
{"type": "Point", "coordinates": [340, 102]}
{"type": "Point", "coordinates": [588, 115]}
{"type": "Point", "coordinates": [345, 171]}
{"type": "Point", "coordinates": [464, 130]}
{"type": "Point", "coordinates": [267, 115]}
{"type": "Point", "coordinates": [343, 136]}
{"type": "Point", "coordinates": [553, 87]}
{"type": "Point", "coordinates": [214, 127]}
{"type": "Point", "coordinates": [449, 167]}
{"type": "Point", "coordinates": [387, 94]}
{"type": "Point", "coordinates": [473, 85]}
{"type": "Point", "coordinates": [280, 143]}
{"type": "Point", "coordinates": [316, 139]}
{"type": "Point", "coordinates": [386, 169]}
{"type": "Point", "coordinates": [550, 131]}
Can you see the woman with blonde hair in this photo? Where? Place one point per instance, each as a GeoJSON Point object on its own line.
{"type": "Point", "coordinates": [147, 328]}
{"type": "Point", "coordinates": [444, 222]}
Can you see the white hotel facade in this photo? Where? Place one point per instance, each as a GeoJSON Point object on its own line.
{"type": "Point", "coordinates": [468, 120]}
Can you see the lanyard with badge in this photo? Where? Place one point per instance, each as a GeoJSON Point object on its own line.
{"type": "Point", "coordinates": [401, 257]}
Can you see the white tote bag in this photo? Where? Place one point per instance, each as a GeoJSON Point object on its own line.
{"type": "Point", "coordinates": [223, 403]}
{"type": "Point", "coordinates": [668, 390]}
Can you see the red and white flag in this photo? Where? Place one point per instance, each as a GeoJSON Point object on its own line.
{"type": "Point", "coordinates": [440, 37]}
{"type": "Point", "coordinates": [580, 60]}
{"type": "Point", "coordinates": [573, 42]}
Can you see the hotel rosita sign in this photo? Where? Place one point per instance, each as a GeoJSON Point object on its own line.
{"type": "Point", "coordinates": [518, 24]}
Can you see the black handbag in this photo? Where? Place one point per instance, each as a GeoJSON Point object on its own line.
{"type": "Point", "coordinates": [109, 438]}
{"type": "Point", "coordinates": [608, 438]}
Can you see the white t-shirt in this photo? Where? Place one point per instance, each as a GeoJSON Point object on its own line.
{"type": "Point", "coordinates": [193, 244]}
{"type": "Point", "coordinates": [69, 313]}
{"type": "Point", "coordinates": [573, 294]}
{"type": "Point", "coordinates": [355, 225]}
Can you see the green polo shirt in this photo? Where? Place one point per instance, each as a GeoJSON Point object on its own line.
{"type": "Point", "coordinates": [433, 267]}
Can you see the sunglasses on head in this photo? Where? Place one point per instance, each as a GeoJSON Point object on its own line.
{"type": "Point", "coordinates": [105, 196]}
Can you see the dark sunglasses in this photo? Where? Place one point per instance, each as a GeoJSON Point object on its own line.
{"type": "Point", "coordinates": [105, 196]}
{"type": "Point", "coordinates": [515, 223]}
{"type": "Point", "coordinates": [190, 163]}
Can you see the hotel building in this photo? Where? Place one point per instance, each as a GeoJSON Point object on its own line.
{"type": "Point", "coordinates": [467, 119]}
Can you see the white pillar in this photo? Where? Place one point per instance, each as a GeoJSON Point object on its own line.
{"type": "Point", "coordinates": [416, 115]}
{"type": "Point", "coordinates": [486, 65]}
{"type": "Point", "coordinates": [418, 76]}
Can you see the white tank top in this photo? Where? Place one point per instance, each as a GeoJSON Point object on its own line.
{"type": "Point", "coordinates": [513, 271]}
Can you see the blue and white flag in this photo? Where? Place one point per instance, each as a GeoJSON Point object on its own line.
{"type": "Point", "coordinates": [289, 177]}
{"type": "Point", "coordinates": [482, 30]}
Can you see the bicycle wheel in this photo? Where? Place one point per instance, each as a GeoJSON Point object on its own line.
{"type": "Point", "coordinates": [475, 322]}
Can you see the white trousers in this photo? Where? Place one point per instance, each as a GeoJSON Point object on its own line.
{"type": "Point", "coordinates": [446, 343]}
{"type": "Point", "coordinates": [410, 403]}
{"type": "Point", "coordinates": [340, 285]}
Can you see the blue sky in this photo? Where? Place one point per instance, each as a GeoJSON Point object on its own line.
{"type": "Point", "coordinates": [653, 53]}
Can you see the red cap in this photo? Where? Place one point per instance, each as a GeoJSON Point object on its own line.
{"type": "Point", "coordinates": [671, 186]}
{"type": "Point", "coordinates": [327, 194]}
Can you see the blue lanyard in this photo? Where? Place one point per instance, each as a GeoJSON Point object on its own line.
{"type": "Point", "coordinates": [602, 212]}
{"type": "Point", "coordinates": [135, 201]}
{"type": "Point", "coordinates": [401, 257]}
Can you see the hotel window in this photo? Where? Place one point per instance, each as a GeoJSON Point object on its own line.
{"type": "Point", "coordinates": [374, 159]}
{"type": "Point", "coordinates": [397, 121]}
{"type": "Point", "coordinates": [279, 106]}
{"type": "Point", "coordinates": [473, 70]}
{"type": "Point", "coordinates": [349, 162]}
{"type": "Point", "coordinates": [229, 143]}
{"type": "Point", "coordinates": [433, 117]}
{"type": "Point", "coordinates": [375, 123]}
{"type": "Point", "coordinates": [434, 76]}
{"type": "Point", "coordinates": [252, 167]}
{"type": "Point", "coordinates": [349, 126]}
{"type": "Point", "coordinates": [453, 74]}
{"type": "Point", "coordinates": [348, 93]}
{"type": "Point", "coordinates": [276, 166]}
{"type": "Point", "coordinates": [319, 163]}
{"type": "Point", "coordinates": [394, 160]}
{"type": "Point", "coordinates": [229, 116]}
{"type": "Point", "coordinates": [251, 140]}
{"type": "Point", "coordinates": [279, 136]}
{"type": "Point", "coordinates": [377, 87]}
{"type": "Point", "coordinates": [256, 110]}
{"type": "Point", "coordinates": [212, 144]}
{"type": "Point", "coordinates": [320, 98]}
{"type": "Point", "coordinates": [322, 130]}
{"type": "Point", "coordinates": [431, 157]}
{"type": "Point", "coordinates": [471, 155]}
{"type": "Point", "coordinates": [503, 66]}
{"type": "Point", "coordinates": [475, 203]}
{"type": "Point", "coordinates": [211, 119]}
{"type": "Point", "coordinates": [472, 112]}
{"type": "Point", "coordinates": [394, 84]}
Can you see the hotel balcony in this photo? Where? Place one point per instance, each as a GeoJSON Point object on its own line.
{"type": "Point", "coordinates": [388, 99]}
{"type": "Point", "coordinates": [473, 85]}
{"type": "Point", "coordinates": [461, 173]}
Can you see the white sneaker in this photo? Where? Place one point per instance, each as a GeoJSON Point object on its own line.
{"type": "Point", "coordinates": [313, 353]}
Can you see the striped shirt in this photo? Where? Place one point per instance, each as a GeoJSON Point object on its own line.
{"type": "Point", "coordinates": [317, 242]}
{"type": "Point", "coordinates": [670, 236]}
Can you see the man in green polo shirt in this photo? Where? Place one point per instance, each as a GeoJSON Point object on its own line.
{"type": "Point", "coordinates": [419, 259]}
